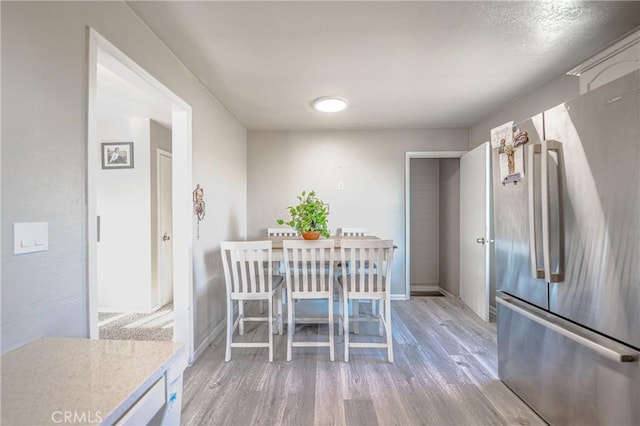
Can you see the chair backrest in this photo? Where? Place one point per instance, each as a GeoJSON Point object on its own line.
{"type": "Point", "coordinates": [282, 232]}
{"type": "Point", "coordinates": [354, 232]}
{"type": "Point", "coordinates": [311, 269]}
{"type": "Point", "coordinates": [247, 266]}
{"type": "Point", "coordinates": [370, 261]}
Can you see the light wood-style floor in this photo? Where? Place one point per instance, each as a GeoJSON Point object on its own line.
{"type": "Point", "coordinates": [445, 373]}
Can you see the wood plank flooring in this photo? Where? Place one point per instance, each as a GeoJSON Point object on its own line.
{"type": "Point", "coordinates": [445, 373]}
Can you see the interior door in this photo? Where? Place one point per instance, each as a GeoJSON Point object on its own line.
{"type": "Point", "coordinates": [165, 248]}
{"type": "Point", "coordinates": [475, 253]}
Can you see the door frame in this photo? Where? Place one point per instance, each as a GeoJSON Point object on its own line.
{"type": "Point", "coordinates": [181, 133]}
{"type": "Point", "coordinates": [159, 154]}
{"type": "Point", "coordinates": [407, 206]}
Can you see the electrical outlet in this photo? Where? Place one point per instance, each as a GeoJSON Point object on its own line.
{"type": "Point", "coordinates": [341, 186]}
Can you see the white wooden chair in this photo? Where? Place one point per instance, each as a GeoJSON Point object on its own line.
{"type": "Point", "coordinates": [360, 282]}
{"type": "Point", "coordinates": [282, 232]}
{"type": "Point", "coordinates": [248, 275]}
{"type": "Point", "coordinates": [356, 232]}
{"type": "Point", "coordinates": [309, 277]}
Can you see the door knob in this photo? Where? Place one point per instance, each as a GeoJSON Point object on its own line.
{"type": "Point", "coordinates": [480, 241]}
{"type": "Point", "coordinates": [166, 237]}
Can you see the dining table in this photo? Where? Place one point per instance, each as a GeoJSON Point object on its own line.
{"type": "Point", "coordinates": [278, 256]}
{"type": "Point", "coordinates": [277, 244]}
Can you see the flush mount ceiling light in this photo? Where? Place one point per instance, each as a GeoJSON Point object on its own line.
{"type": "Point", "coordinates": [330, 104]}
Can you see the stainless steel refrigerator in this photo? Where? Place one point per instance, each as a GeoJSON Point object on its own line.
{"type": "Point", "coordinates": [567, 261]}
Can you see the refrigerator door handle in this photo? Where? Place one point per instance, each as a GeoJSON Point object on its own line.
{"type": "Point", "coordinates": [545, 147]}
{"type": "Point", "coordinates": [610, 350]}
{"type": "Point", "coordinates": [536, 272]}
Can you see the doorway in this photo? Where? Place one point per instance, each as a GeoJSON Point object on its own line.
{"type": "Point", "coordinates": [443, 171]}
{"type": "Point", "coordinates": [431, 246]}
{"type": "Point", "coordinates": [178, 114]}
{"type": "Point", "coordinates": [164, 248]}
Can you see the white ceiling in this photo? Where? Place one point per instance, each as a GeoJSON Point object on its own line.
{"type": "Point", "coordinates": [400, 64]}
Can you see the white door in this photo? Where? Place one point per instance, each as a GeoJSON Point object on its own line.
{"type": "Point", "coordinates": [165, 221]}
{"type": "Point", "coordinates": [475, 250]}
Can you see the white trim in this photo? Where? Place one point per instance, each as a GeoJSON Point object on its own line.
{"type": "Point", "coordinates": [397, 296]}
{"type": "Point", "coordinates": [92, 217]}
{"type": "Point", "coordinates": [425, 287]}
{"type": "Point", "coordinates": [616, 47]}
{"type": "Point", "coordinates": [218, 329]}
{"type": "Point", "coordinates": [488, 246]}
{"type": "Point", "coordinates": [181, 181]}
{"type": "Point", "coordinates": [446, 293]}
{"type": "Point", "coordinates": [159, 153]}
{"type": "Point", "coordinates": [407, 206]}
{"type": "Point", "coordinates": [493, 312]}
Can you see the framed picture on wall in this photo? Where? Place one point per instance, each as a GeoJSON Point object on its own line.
{"type": "Point", "coordinates": [117, 155]}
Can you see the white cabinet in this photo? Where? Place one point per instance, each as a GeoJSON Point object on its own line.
{"type": "Point", "coordinates": [613, 62]}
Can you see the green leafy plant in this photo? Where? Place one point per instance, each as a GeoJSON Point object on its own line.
{"type": "Point", "coordinates": [309, 215]}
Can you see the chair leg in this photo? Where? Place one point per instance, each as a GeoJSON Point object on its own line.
{"type": "Point", "coordinates": [340, 311]}
{"type": "Point", "coordinates": [374, 307]}
{"type": "Point", "coordinates": [387, 323]}
{"type": "Point", "coordinates": [241, 313]}
{"type": "Point", "coordinates": [290, 327]}
{"type": "Point", "coordinates": [279, 301]}
{"type": "Point", "coordinates": [270, 308]}
{"type": "Point", "coordinates": [331, 341]}
{"type": "Point", "coordinates": [380, 316]}
{"type": "Point", "coordinates": [227, 354]}
{"type": "Point", "coordinates": [356, 315]}
{"type": "Point", "coordinates": [345, 314]}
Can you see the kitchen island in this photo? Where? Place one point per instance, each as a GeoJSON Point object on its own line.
{"type": "Point", "coordinates": [84, 381]}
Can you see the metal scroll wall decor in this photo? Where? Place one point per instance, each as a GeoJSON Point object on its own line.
{"type": "Point", "coordinates": [198, 207]}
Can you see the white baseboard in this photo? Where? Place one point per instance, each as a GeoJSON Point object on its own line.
{"type": "Point", "coordinates": [445, 292]}
{"type": "Point", "coordinates": [207, 341]}
{"type": "Point", "coordinates": [493, 313]}
{"type": "Point", "coordinates": [398, 296]}
{"type": "Point", "coordinates": [425, 287]}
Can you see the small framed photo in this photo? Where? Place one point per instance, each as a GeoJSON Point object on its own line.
{"type": "Point", "coordinates": [117, 155]}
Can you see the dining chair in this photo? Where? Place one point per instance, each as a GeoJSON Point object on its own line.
{"type": "Point", "coordinates": [360, 282]}
{"type": "Point", "coordinates": [282, 232]}
{"type": "Point", "coordinates": [310, 277]}
{"type": "Point", "coordinates": [357, 232]}
{"type": "Point", "coordinates": [354, 232]}
{"type": "Point", "coordinates": [248, 276]}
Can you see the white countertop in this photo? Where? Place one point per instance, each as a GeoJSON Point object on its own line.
{"type": "Point", "coordinates": [95, 380]}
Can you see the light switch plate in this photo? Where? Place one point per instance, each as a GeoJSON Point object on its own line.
{"type": "Point", "coordinates": [29, 237]}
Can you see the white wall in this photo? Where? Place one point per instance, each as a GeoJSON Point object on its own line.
{"type": "Point", "coordinates": [544, 97]}
{"type": "Point", "coordinates": [44, 74]}
{"type": "Point", "coordinates": [123, 204]}
{"type": "Point", "coordinates": [370, 163]}
{"type": "Point", "coordinates": [425, 223]}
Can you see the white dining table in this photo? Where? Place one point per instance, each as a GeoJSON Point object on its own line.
{"type": "Point", "coordinates": [277, 244]}
{"type": "Point", "coordinates": [278, 256]}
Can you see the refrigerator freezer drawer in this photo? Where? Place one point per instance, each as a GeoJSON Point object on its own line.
{"type": "Point", "coordinates": [568, 375]}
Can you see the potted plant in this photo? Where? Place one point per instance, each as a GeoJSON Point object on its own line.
{"type": "Point", "coordinates": [309, 217]}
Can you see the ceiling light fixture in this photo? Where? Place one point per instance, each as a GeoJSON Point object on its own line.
{"type": "Point", "coordinates": [330, 104]}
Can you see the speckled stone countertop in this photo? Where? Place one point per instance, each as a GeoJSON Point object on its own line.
{"type": "Point", "coordinates": [88, 381]}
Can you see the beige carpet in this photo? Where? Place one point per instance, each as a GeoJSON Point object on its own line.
{"type": "Point", "coordinates": [157, 326]}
